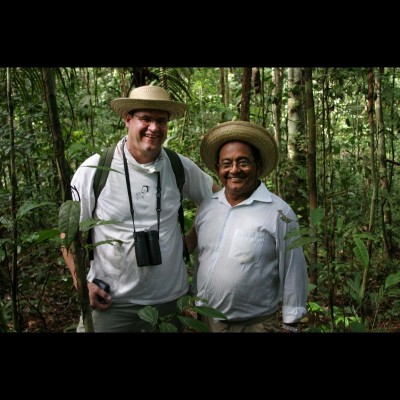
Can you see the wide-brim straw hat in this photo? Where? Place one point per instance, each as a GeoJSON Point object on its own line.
{"type": "Point", "coordinates": [243, 131]}
{"type": "Point", "coordinates": [150, 98]}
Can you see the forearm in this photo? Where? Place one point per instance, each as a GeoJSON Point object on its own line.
{"type": "Point", "coordinates": [69, 261]}
{"type": "Point", "coordinates": [191, 236]}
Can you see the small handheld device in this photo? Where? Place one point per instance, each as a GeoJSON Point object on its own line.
{"type": "Point", "coordinates": [102, 285]}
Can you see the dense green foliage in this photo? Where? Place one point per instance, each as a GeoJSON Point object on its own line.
{"type": "Point", "coordinates": [348, 249]}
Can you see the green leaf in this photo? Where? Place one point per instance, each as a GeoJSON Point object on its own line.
{"type": "Point", "coordinates": [366, 236]}
{"type": "Point", "coordinates": [194, 324]}
{"type": "Point", "coordinates": [79, 148]}
{"type": "Point", "coordinates": [392, 279]}
{"type": "Point", "coordinates": [361, 252]}
{"type": "Point", "coordinates": [355, 285]}
{"type": "Point", "coordinates": [29, 206]}
{"type": "Point", "coordinates": [296, 233]}
{"type": "Point", "coordinates": [167, 327]}
{"type": "Point", "coordinates": [89, 223]}
{"type": "Point", "coordinates": [356, 326]}
{"type": "Point", "coordinates": [149, 314]}
{"type": "Point", "coordinates": [314, 307]}
{"type": "Point", "coordinates": [47, 234]}
{"type": "Point", "coordinates": [316, 215]}
{"type": "Point", "coordinates": [6, 222]}
{"type": "Point", "coordinates": [68, 221]}
{"type": "Point", "coordinates": [111, 241]}
{"type": "Point", "coordinates": [374, 299]}
{"type": "Point", "coordinates": [311, 287]}
{"type": "Point", "coordinates": [183, 302]}
{"type": "Point", "coordinates": [301, 242]}
{"type": "Point", "coordinates": [209, 312]}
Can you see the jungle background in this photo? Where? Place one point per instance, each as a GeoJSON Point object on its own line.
{"type": "Point", "coordinates": [338, 132]}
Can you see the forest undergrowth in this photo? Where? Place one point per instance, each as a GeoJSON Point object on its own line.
{"type": "Point", "coordinates": [50, 304]}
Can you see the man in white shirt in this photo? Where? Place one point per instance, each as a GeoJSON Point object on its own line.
{"type": "Point", "coordinates": [245, 266]}
{"type": "Point", "coordinates": [141, 164]}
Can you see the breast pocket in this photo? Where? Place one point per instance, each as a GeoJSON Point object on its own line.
{"type": "Point", "coordinates": [246, 247]}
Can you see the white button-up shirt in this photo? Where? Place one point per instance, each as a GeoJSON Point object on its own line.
{"type": "Point", "coordinates": [244, 266]}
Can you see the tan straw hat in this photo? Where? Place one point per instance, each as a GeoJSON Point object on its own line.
{"type": "Point", "coordinates": [151, 98]}
{"type": "Point", "coordinates": [243, 131]}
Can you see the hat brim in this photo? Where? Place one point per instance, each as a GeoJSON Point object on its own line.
{"type": "Point", "coordinates": [122, 106]}
{"type": "Point", "coordinates": [242, 131]}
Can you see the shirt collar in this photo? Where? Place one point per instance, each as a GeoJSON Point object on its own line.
{"type": "Point", "coordinates": [260, 194]}
{"type": "Point", "coordinates": [149, 167]}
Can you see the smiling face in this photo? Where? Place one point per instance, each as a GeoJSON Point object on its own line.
{"type": "Point", "coordinates": [238, 170]}
{"type": "Point", "coordinates": [147, 131]}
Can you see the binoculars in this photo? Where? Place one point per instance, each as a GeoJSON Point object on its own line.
{"type": "Point", "coordinates": [147, 248]}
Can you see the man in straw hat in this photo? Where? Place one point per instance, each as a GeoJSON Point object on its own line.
{"type": "Point", "coordinates": [245, 266]}
{"type": "Point", "coordinates": [144, 266]}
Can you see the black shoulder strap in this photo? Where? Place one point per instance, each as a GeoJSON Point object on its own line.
{"type": "Point", "coordinates": [99, 182]}
{"type": "Point", "coordinates": [178, 169]}
{"type": "Point", "coordinates": [101, 175]}
{"type": "Point", "coordinates": [180, 181]}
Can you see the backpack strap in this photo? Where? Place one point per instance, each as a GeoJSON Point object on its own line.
{"type": "Point", "coordinates": [101, 175]}
{"type": "Point", "coordinates": [179, 173]}
{"type": "Point", "coordinates": [99, 182]}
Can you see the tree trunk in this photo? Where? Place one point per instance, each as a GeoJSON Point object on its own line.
{"type": "Point", "coordinates": [222, 85]}
{"type": "Point", "coordinates": [277, 115]}
{"type": "Point", "coordinates": [14, 190]}
{"type": "Point", "coordinates": [327, 202]}
{"type": "Point", "coordinates": [91, 112]}
{"type": "Point", "coordinates": [296, 143]}
{"type": "Point", "coordinates": [245, 100]}
{"type": "Point", "coordinates": [227, 97]}
{"type": "Point", "coordinates": [385, 187]}
{"type": "Point", "coordinates": [374, 183]}
{"type": "Point", "coordinates": [63, 168]}
{"type": "Point", "coordinates": [295, 117]}
{"type": "Point", "coordinates": [311, 170]}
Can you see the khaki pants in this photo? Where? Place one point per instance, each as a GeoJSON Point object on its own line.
{"type": "Point", "coordinates": [269, 323]}
{"type": "Point", "coordinates": [125, 318]}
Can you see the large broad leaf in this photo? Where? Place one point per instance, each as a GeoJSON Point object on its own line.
{"type": "Point", "coordinates": [47, 234]}
{"type": "Point", "coordinates": [194, 324]}
{"type": "Point", "coordinates": [368, 236]}
{"type": "Point", "coordinates": [38, 237]}
{"type": "Point", "coordinates": [392, 279]}
{"type": "Point", "coordinates": [167, 327]}
{"type": "Point", "coordinates": [209, 312]}
{"type": "Point", "coordinates": [361, 252]}
{"type": "Point", "coordinates": [29, 206]}
{"type": "Point", "coordinates": [149, 314]}
{"type": "Point", "coordinates": [68, 221]}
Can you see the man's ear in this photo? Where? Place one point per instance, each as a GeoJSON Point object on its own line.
{"type": "Point", "coordinates": [128, 118]}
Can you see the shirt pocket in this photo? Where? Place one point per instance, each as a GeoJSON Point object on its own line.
{"type": "Point", "coordinates": [246, 247]}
